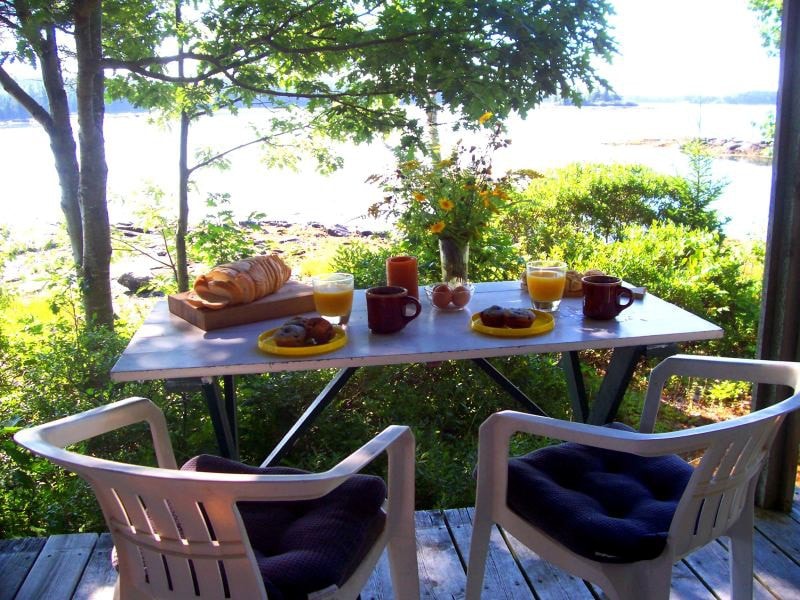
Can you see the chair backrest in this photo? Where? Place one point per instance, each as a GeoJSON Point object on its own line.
{"type": "Point", "coordinates": [733, 452]}
{"type": "Point", "coordinates": [177, 534]}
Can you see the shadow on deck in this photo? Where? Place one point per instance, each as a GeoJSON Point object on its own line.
{"type": "Point", "coordinates": [78, 566]}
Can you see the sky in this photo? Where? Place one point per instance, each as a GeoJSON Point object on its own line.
{"type": "Point", "coordinates": [688, 47]}
{"type": "Point", "coordinates": [684, 48]}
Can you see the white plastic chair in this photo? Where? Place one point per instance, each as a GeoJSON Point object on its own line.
{"type": "Point", "coordinates": [717, 501]}
{"type": "Point", "coordinates": [176, 531]}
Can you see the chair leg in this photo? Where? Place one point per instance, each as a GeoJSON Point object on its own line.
{"type": "Point", "coordinates": [478, 550]}
{"type": "Point", "coordinates": [741, 564]}
{"type": "Point", "coordinates": [403, 567]}
{"type": "Point", "coordinates": [649, 579]}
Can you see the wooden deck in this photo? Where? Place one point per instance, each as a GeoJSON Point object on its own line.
{"type": "Point", "coordinates": [78, 566]}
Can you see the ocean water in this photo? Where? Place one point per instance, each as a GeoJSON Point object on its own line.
{"type": "Point", "coordinates": [141, 155]}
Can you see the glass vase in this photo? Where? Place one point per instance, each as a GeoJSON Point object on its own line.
{"type": "Point", "coordinates": [454, 255]}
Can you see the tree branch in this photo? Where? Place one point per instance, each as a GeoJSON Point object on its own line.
{"type": "Point", "coordinates": [224, 153]}
{"type": "Point", "coordinates": [36, 110]}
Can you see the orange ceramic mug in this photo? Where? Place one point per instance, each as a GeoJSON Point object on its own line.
{"type": "Point", "coordinates": [390, 308]}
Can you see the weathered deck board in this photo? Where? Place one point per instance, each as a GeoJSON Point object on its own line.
{"type": "Point", "coordinates": [78, 566]}
{"type": "Point", "coordinates": [59, 567]}
{"type": "Point", "coordinates": [98, 579]}
{"type": "Point", "coordinates": [441, 573]}
{"type": "Point", "coordinates": [502, 579]}
{"type": "Point", "coordinates": [712, 564]}
{"type": "Point", "coordinates": [16, 559]}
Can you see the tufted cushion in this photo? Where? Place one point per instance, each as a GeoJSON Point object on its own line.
{"type": "Point", "coordinates": [306, 545]}
{"type": "Point", "coordinates": [605, 505]}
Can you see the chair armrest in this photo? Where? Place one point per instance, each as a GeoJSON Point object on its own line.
{"type": "Point", "coordinates": [731, 369]}
{"type": "Point", "coordinates": [396, 440]}
{"type": "Point", "coordinates": [83, 426]}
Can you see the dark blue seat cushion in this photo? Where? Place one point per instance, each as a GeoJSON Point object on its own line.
{"type": "Point", "coordinates": [605, 505]}
{"type": "Point", "coordinates": [306, 545]}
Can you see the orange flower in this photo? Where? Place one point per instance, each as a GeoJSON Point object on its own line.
{"type": "Point", "coordinates": [484, 117]}
{"type": "Point", "coordinates": [446, 204]}
{"type": "Point", "coordinates": [419, 196]}
{"type": "Point", "coordinates": [437, 227]}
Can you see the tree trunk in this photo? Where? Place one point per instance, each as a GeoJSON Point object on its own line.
{"type": "Point", "coordinates": [98, 305]}
{"type": "Point", "coordinates": [56, 124]}
{"type": "Point", "coordinates": [183, 205]}
{"type": "Point", "coordinates": [62, 143]}
{"type": "Point", "coordinates": [183, 177]}
{"type": "Point", "coordinates": [432, 117]}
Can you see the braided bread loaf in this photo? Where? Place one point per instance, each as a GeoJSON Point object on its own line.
{"type": "Point", "coordinates": [240, 282]}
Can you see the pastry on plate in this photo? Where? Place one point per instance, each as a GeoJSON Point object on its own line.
{"type": "Point", "coordinates": [290, 335]}
{"type": "Point", "coordinates": [518, 318]}
{"type": "Point", "coordinates": [494, 316]}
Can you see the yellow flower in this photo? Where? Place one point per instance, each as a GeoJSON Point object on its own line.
{"type": "Point", "coordinates": [437, 227]}
{"type": "Point", "coordinates": [410, 165]}
{"type": "Point", "coordinates": [486, 202]}
{"type": "Point", "coordinates": [446, 204]}
{"type": "Point", "coordinates": [484, 117]}
{"type": "Point", "coordinates": [444, 163]}
{"type": "Point", "coordinates": [419, 196]}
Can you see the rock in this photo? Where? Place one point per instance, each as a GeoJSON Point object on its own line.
{"type": "Point", "coordinates": [134, 282]}
{"type": "Point", "coordinates": [338, 231]}
{"type": "Point", "coordinates": [129, 227]}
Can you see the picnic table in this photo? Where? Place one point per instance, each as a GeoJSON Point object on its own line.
{"type": "Point", "coordinates": [168, 347]}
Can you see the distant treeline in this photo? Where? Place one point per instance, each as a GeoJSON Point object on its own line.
{"type": "Point", "coordinates": [754, 97]}
{"type": "Point", "coordinates": [11, 110]}
{"type": "Point", "coordinates": [610, 98]}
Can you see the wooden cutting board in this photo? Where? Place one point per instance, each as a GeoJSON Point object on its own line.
{"type": "Point", "coordinates": [293, 298]}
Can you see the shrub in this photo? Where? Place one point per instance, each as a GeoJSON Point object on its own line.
{"type": "Point", "coordinates": [600, 201]}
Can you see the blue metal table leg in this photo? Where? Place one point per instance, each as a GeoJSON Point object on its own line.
{"type": "Point", "coordinates": [307, 418]}
{"type": "Point", "coordinates": [612, 389]}
{"type": "Point", "coordinates": [509, 387]}
{"type": "Point", "coordinates": [576, 390]}
{"type": "Point", "coordinates": [222, 409]}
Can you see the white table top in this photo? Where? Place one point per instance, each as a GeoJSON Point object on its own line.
{"type": "Point", "coordinates": [167, 347]}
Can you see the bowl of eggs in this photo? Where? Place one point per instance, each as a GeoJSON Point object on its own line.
{"type": "Point", "coordinates": [448, 297]}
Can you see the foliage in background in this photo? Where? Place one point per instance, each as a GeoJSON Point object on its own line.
{"type": "Point", "coordinates": [452, 198]}
{"type": "Point", "coordinates": [53, 365]}
{"type": "Point", "coordinates": [769, 13]}
{"type": "Point", "coordinates": [219, 238]}
{"type": "Point", "coordinates": [600, 200]}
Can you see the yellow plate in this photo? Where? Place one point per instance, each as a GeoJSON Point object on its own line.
{"type": "Point", "coordinates": [543, 323]}
{"type": "Point", "coordinates": [267, 344]}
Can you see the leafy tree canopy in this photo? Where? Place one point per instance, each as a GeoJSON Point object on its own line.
{"type": "Point", "coordinates": [358, 64]}
{"type": "Point", "coordinates": [769, 14]}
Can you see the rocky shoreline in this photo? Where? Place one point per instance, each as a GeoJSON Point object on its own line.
{"type": "Point", "coordinates": [727, 148]}
{"type": "Point", "coordinates": [140, 255]}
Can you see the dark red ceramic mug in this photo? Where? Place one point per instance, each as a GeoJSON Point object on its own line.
{"type": "Point", "coordinates": [390, 308]}
{"type": "Point", "coordinates": [603, 296]}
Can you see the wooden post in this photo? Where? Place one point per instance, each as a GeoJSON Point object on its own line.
{"type": "Point", "coordinates": [779, 327]}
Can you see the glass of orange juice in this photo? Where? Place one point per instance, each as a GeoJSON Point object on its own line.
{"type": "Point", "coordinates": [546, 279]}
{"type": "Point", "coordinates": [333, 296]}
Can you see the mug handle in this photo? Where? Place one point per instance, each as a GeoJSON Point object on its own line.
{"type": "Point", "coordinates": [417, 306]}
{"type": "Point", "coordinates": [623, 291]}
